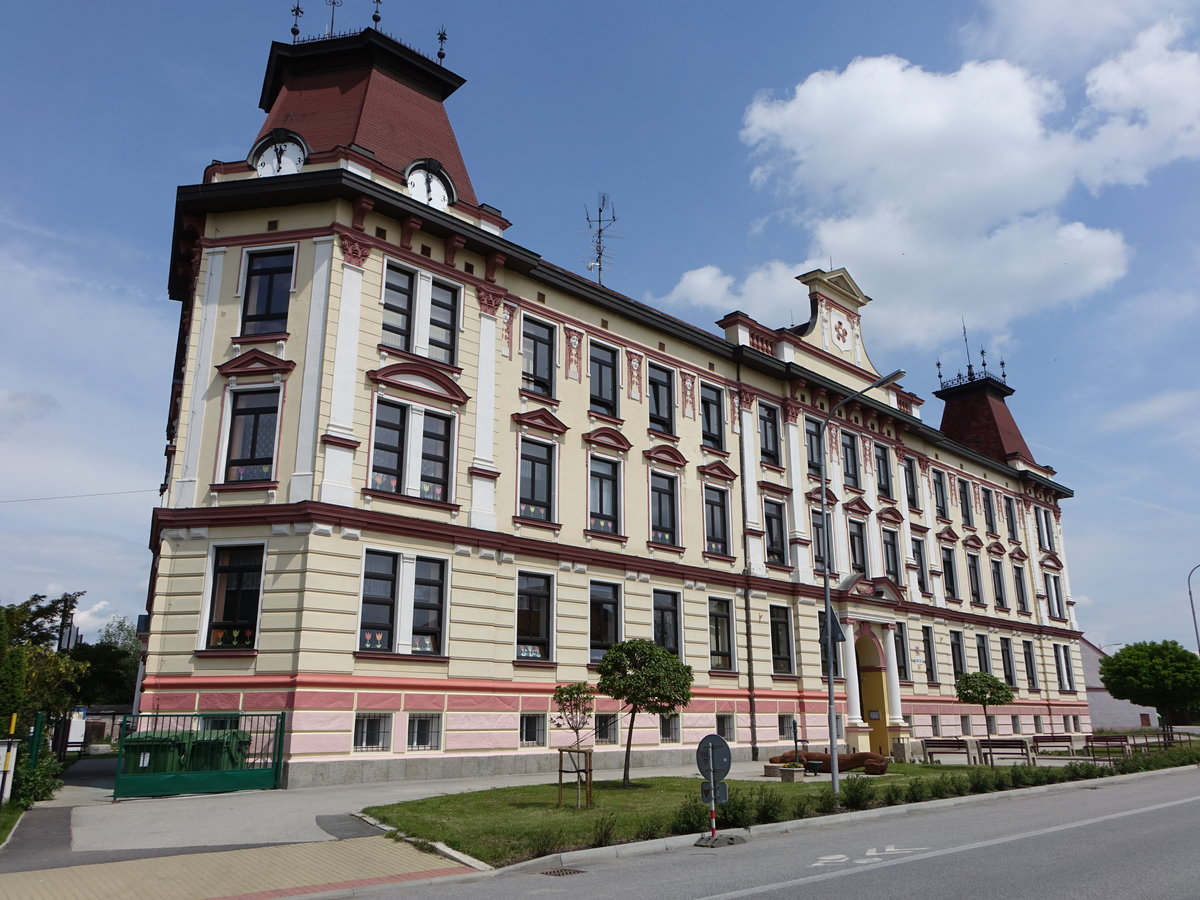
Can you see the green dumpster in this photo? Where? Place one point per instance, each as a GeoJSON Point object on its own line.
{"type": "Point", "coordinates": [148, 752]}
{"type": "Point", "coordinates": [218, 750]}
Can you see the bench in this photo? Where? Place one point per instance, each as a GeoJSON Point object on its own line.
{"type": "Point", "coordinates": [1107, 746]}
{"type": "Point", "coordinates": [935, 746]}
{"type": "Point", "coordinates": [1062, 743]}
{"type": "Point", "coordinates": [1009, 748]}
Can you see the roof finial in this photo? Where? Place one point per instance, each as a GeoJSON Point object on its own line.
{"type": "Point", "coordinates": [967, 347]}
{"type": "Point", "coordinates": [333, 5]}
{"type": "Point", "coordinates": [441, 54]}
{"type": "Point", "coordinates": [375, 16]}
{"type": "Point", "coordinates": [939, 371]}
{"type": "Point", "coordinates": [297, 12]}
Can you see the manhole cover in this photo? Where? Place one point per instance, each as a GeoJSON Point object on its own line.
{"type": "Point", "coordinates": [560, 872]}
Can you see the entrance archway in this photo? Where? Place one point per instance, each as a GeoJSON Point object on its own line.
{"type": "Point", "coordinates": [872, 689]}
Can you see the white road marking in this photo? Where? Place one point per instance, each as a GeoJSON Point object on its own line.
{"type": "Point", "coordinates": [897, 861]}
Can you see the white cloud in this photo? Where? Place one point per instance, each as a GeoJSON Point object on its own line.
{"type": "Point", "coordinates": [1172, 407]}
{"type": "Point", "coordinates": [19, 408]}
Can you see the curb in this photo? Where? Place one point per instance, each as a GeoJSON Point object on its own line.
{"type": "Point", "coordinates": [448, 852]}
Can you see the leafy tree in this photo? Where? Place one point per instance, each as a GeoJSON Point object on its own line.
{"type": "Point", "coordinates": [12, 677]}
{"type": "Point", "coordinates": [38, 621]}
{"type": "Point", "coordinates": [645, 678]}
{"type": "Point", "coordinates": [983, 689]}
{"type": "Point", "coordinates": [112, 663]}
{"type": "Point", "coordinates": [120, 632]}
{"type": "Point", "coordinates": [1161, 674]}
{"type": "Point", "coordinates": [575, 703]}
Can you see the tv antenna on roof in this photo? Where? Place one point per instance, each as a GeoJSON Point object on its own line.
{"type": "Point", "coordinates": [333, 5]}
{"type": "Point", "coordinates": [598, 227]}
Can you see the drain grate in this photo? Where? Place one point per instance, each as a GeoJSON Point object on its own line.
{"type": "Point", "coordinates": [558, 873]}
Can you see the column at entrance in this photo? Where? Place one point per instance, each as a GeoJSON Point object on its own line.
{"type": "Point", "coordinates": [850, 660]}
{"type": "Point", "coordinates": [892, 673]}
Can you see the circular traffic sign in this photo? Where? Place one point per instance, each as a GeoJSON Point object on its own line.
{"type": "Point", "coordinates": [713, 758]}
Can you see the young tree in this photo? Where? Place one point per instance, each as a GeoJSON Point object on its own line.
{"type": "Point", "coordinates": [1161, 674]}
{"type": "Point", "coordinates": [645, 678]}
{"type": "Point", "coordinates": [984, 690]}
{"type": "Point", "coordinates": [575, 703]}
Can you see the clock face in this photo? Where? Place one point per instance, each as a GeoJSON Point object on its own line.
{"type": "Point", "coordinates": [280, 158]}
{"type": "Point", "coordinates": [428, 188]}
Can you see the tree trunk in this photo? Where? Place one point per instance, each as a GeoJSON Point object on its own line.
{"type": "Point", "coordinates": [629, 745]}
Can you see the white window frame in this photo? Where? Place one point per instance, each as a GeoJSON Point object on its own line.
{"type": "Point", "coordinates": [552, 505]}
{"type": "Point", "coordinates": [608, 734]}
{"type": "Point", "coordinates": [540, 730]}
{"type": "Point", "coordinates": [414, 434]}
{"type": "Point", "coordinates": [231, 390]}
{"type": "Point", "coordinates": [617, 385]}
{"type": "Point", "coordinates": [676, 478]}
{"type": "Point", "coordinates": [406, 581]}
{"type": "Point", "coordinates": [554, 342]}
{"type": "Point", "coordinates": [385, 733]}
{"type": "Point", "coordinates": [422, 307]}
{"type": "Point", "coordinates": [551, 649]}
{"type": "Point", "coordinates": [210, 571]}
{"type": "Point", "coordinates": [433, 717]}
{"type": "Point", "coordinates": [619, 492]}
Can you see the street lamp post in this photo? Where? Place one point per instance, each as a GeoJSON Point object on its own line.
{"type": "Point", "coordinates": [825, 561]}
{"type": "Point", "coordinates": [1192, 604]}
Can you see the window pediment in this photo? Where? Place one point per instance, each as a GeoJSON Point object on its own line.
{"type": "Point", "coordinates": [859, 506]}
{"type": "Point", "coordinates": [891, 515]}
{"type": "Point", "coordinates": [1051, 561]}
{"type": "Point", "coordinates": [973, 542]}
{"type": "Point", "coordinates": [608, 438]}
{"type": "Point", "coordinates": [1019, 555]}
{"type": "Point", "coordinates": [815, 496]}
{"type": "Point", "coordinates": [420, 378]}
{"type": "Point", "coordinates": [717, 470]}
{"type": "Point", "coordinates": [948, 534]}
{"type": "Point", "coordinates": [255, 362]}
{"type": "Point", "coordinates": [540, 419]}
{"type": "Point", "coordinates": [667, 456]}
{"type": "Point", "coordinates": [996, 548]}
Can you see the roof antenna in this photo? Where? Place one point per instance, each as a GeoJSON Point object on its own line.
{"type": "Point", "coordinates": [967, 347]}
{"type": "Point", "coordinates": [297, 12]}
{"type": "Point", "coordinates": [606, 216]}
{"type": "Point", "coordinates": [441, 54]}
{"type": "Point", "coordinates": [375, 16]}
{"type": "Point", "coordinates": [333, 5]}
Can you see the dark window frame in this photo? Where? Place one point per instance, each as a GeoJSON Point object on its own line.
{"type": "Point", "coordinates": [666, 620]}
{"type": "Point", "coordinates": [720, 634]}
{"type": "Point", "coordinates": [268, 291]}
{"type": "Point", "coordinates": [664, 509]}
{"type": "Point", "coordinates": [856, 531]}
{"type": "Point", "coordinates": [768, 434]}
{"type": "Point", "coordinates": [782, 660]}
{"type": "Point", "coordinates": [535, 603]}
{"type": "Point", "coordinates": [537, 352]}
{"type": "Point", "coordinates": [912, 483]}
{"type": "Point", "coordinates": [941, 505]}
{"type": "Point", "coordinates": [891, 555]}
{"type": "Point", "coordinates": [660, 391]}
{"type": "Point", "coordinates": [950, 573]}
{"type": "Point", "coordinates": [958, 654]}
{"type": "Point", "coordinates": [883, 470]}
{"type": "Point", "coordinates": [775, 528]}
{"type": "Point", "coordinates": [851, 469]}
{"type": "Point", "coordinates": [998, 589]}
{"type": "Point", "coordinates": [716, 520]}
{"type": "Point", "coordinates": [535, 493]}
{"type": "Point", "coordinates": [249, 426]}
{"type": "Point", "coordinates": [604, 618]}
{"type": "Point", "coordinates": [965, 503]}
{"type": "Point", "coordinates": [236, 597]}
{"type": "Point", "coordinates": [604, 495]}
{"type": "Point", "coordinates": [712, 416]}
{"type": "Point", "coordinates": [603, 381]}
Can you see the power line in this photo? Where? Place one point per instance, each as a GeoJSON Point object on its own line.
{"type": "Point", "coordinates": [77, 496]}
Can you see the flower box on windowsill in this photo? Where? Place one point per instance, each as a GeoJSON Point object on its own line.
{"type": "Point", "coordinates": [231, 486]}
{"type": "Point", "coordinates": [226, 652]}
{"type": "Point", "coordinates": [404, 498]}
{"type": "Point", "coordinates": [408, 657]}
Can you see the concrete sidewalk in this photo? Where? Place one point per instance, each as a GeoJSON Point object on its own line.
{"type": "Point", "coordinates": [254, 844]}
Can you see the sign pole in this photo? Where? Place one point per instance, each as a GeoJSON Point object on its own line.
{"type": "Point", "coordinates": [712, 800]}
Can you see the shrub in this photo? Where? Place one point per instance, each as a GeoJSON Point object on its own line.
{"type": "Point", "coordinates": [691, 816]}
{"type": "Point", "coordinates": [769, 805]}
{"type": "Point", "coordinates": [604, 828]}
{"type": "Point", "coordinates": [917, 790]}
{"type": "Point", "coordinates": [827, 801]}
{"type": "Point", "coordinates": [1086, 769]}
{"type": "Point", "coordinates": [981, 781]}
{"type": "Point", "coordinates": [940, 787]}
{"type": "Point", "coordinates": [960, 785]}
{"type": "Point", "coordinates": [858, 792]}
{"type": "Point", "coordinates": [802, 806]}
{"type": "Point", "coordinates": [546, 840]}
{"type": "Point", "coordinates": [1003, 779]}
{"type": "Point", "coordinates": [650, 827]}
{"type": "Point", "coordinates": [736, 812]}
{"type": "Point", "coordinates": [894, 793]}
{"type": "Point", "coordinates": [35, 783]}
{"type": "Point", "coordinates": [1024, 776]}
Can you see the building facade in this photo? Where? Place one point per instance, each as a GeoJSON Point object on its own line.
{"type": "Point", "coordinates": [417, 476]}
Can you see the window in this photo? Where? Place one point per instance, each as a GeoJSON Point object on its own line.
{"type": "Point", "coordinates": [949, 573]}
{"type": "Point", "coordinates": [939, 495]}
{"type": "Point", "coordinates": [237, 587]}
{"type": "Point", "coordinates": [787, 726]}
{"type": "Point", "coordinates": [416, 323]}
{"type": "Point", "coordinates": [1037, 724]}
{"type": "Point", "coordinates": [1054, 600]}
{"type": "Point", "coordinates": [603, 375]}
{"type": "Point", "coordinates": [983, 653]}
{"type": "Point", "coordinates": [660, 387]}
{"type": "Point", "coordinates": [424, 731]}
{"type": "Point", "coordinates": [1010, 518]}
{"type": "Point", "coordinates": [668, 729]}
{"type": "Point", "coordinates": [537, 352]}
{"type": "Point", "coordinates": [990, 723]}
{"type": "Point", "coordinates": [1045, 527]}
{"type": "Point", "coordinates": [918, 551]}
{"type": "Point", "coordinates": [818, 541]}
{"type": "Point", "coordinates": [901, 638]}
{"type": "Point", "coordinates": [1031, 677]}
{"type": "Point", "coordinates": [1019, 584]}
{"type": "Point", "coordinates": [837, 656]}
{"type": "Point", "coordinates": [931, 672]}
{"type": "Point", "coordinates": [1062, 667]}
{"type": "Point", "coordinates": [663, 526]}
{"type": "Point", "coordinates": [537, 480]}
{"type": "Point", "coordinates": [989, 510]}
{"type": "Point", "coordinates": [858, 546]}
{"type": "Point", "coordinates": [372, 731]}
{"type": "Point", "coordinates": [964, 724]}
{"type": "Point", "coordinates": [606, 728]}
{"type": "Point", "coordinates": [533, 729]}
{"type": "Point", "coordinates": [958, 654]}
{"type": "Point", "coordinates": [268, 291]}
{"type": "Point", "coordinates": [533, 616]}
{"type": "Point", "coordinates": [935, 725]}
{"type": "Point", "coordinates": [666, 620]}
{"type": "Point", "coordinates": [1016, 724]}
{"type": "Point", "coordinates": [850, 470]}
{"type": "Point", "coordinates": [965, 504]}
{"type": "Point", "coordinates": [725, 726]}
{"type": "Point", "coordinates": [781, 640]}
{"type": "Point", "coordinates": [912, 484]}
{"type": "Point", "coordinates": [891, 555]}
{"type": "Point", "coordinates": [252, 423]}
{"type": "Point", "coordinates": [604, 512]}
{"type": "Point", "coordinates": [606, 618]}
{"type": "Point", "coordinates": [716, 522]}
{"type": "Point", "coordinates": [812, 444]}
{"type": "Point", "coordinates": [776, 532]}
{"type": "Point", "coordinates": [412, 452]}
{"type": "Point", "coordinates": [382, 597]}
{"type": "Point", "coordinates": [768, 434]}
{"type": "Point", "coordinates": [720, 634]}
{"type": "Point", "coordinates": [998, 584]}
{"type": "Point", "coordinates": [1008, 663]}
{"type": "Point", "coordinates": [883, 470]}
{"type": "Point", "coordinates": [712, 417]}
{"type": "Point", "coordinates": [974, 580]}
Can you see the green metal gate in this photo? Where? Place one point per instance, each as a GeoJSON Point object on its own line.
{"type": "Point", "coordinates": [198, 753]}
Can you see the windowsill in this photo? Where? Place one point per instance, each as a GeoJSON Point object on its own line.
{"type": "Point", "coordinates": [715, 451]}
{"type": "Point", "coordinates": [335, 441]}
{"type": "Point", "coordinates": [1002, 609]}
{"type": "Point", "coordinates": [670, 548]}
{"type": "Point", "coordinates": [979, 604]}
{"type": "Point", "coordinates": [232, 487]}
{"type": "Point", "coordinates": [954, 599]}
{"type": "Point", "coordinates": [1067, 691]}
{"type": "Point", "coordinates": [942, 520]}
{"type": "Point", "coordinates": [415, 501]}
{"type": "Point", "coordinates": [605, 536]}
{"type": "Point", "coordinates": [934, 683]}
{"type": "Point", "coordinates": [227, 652]}
{"type": "Point", "coordinates": [605, 417]}
{"type": "Point", "coordinates": [994, 535]}
{"type": "Point", "coordinates": [662, 435]}
{"type": "Point", "coordinates": [534, 664]}
{"type": "Point", "coordinates": [783, 676]}
{"type": "Point", "coordinates": [779, 567]}
{"type": "Point", "coordinates": [540, 398]}
{"type": "Point", "coordinates": [854, 489]}
{"type": "Point", "coordinates": [525, 522]}
{"type": "Point", "coordinates": [773, 467]}
{"type": "Point", "coordinates": [722, 673]}
{"type": "Point", "coordinates": [1058, 619]}
{"type": "Point", "coordinates": [720, 557]}
{"type": "Point", "coordinates": [381, 654]}
{"type": "Point", "coordinates": [888, 497]}
{"type": "Point", "coordinates": [928, 595]}
{"type": "Point", "coordinates": [448, 368]}
{"type": "Point", "coordinates": [915, 509]}
{"type": "Point", "coordinates": [1024, 612]}
{"type": "Point", "coordinates": [273, 337]}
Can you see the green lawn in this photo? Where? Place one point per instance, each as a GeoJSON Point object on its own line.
{"type": "Point", "coordinates": [9, 814]}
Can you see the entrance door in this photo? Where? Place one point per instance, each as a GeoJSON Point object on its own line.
{"type": "Point", "coordinates": [872, 688]}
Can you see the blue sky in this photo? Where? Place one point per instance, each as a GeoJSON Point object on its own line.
{"type": "Point", "coordinates": [1029, 167]}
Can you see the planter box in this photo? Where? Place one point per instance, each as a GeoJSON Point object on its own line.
{"type": "Point", "coordinates": [791, 774]}
{"type": "Point", "coordinates": [770, 771]}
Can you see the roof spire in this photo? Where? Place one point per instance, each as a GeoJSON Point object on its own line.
{"type": "Point", "coordinates": [297, 12]}
{"type": "Point", "coordinates": [441, 54]}
{"type": "Point", "coordinates": [375, 16]}
{"type": "Point", "coordinates": [967, 347]}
